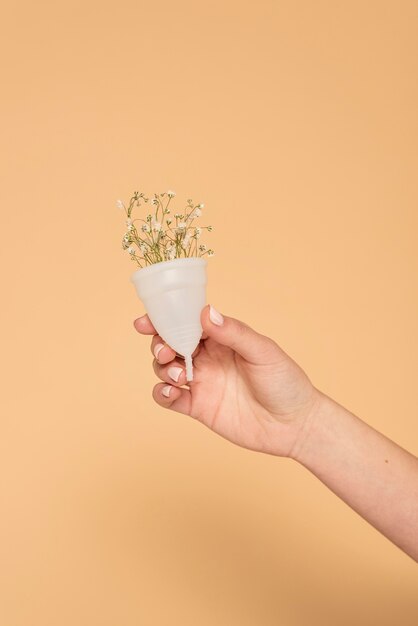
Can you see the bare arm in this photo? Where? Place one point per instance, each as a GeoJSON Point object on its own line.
{"type": "Point", "coordinates": [372, 474]}
{"type": "Point", "coordinates": [248, 390]}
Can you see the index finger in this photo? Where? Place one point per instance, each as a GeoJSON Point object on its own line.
{"type": "Point", "coordinates": [144, 325]}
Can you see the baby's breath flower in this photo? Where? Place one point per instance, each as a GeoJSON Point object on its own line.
{"type": "Point", "coordinates": [119, 204]}
{"type": "Point", "coordinates": [186, 241]}
{"type": "Point", "coordinates": [171, 253]}
{"type": "Point", "coordinates": [163, 246]}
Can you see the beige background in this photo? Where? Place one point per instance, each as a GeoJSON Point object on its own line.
{"type": "Point", "coordinates": [295, 123]}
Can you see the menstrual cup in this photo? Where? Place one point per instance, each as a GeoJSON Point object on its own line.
{"type": "Point", "coordinates": [174, 294]}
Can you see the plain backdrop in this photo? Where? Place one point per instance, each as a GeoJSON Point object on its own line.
{"type": "Point", "coordinates": [295, 122]}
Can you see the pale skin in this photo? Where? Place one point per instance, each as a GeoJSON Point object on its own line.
{"type": "Point", "coordinates": [249, 391]}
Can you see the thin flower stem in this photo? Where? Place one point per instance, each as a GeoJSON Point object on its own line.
{"type": "Point", "coordinates": [166, 242]}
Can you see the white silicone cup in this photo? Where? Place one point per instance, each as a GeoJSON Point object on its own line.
{"type": "Point", "coordinates": [174, 294]}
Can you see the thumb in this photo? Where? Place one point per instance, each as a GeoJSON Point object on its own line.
{"type": "Point", "coordinates": [247, 342]}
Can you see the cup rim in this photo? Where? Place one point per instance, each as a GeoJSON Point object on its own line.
{"type": "Point", "coordinates": [162, 265]}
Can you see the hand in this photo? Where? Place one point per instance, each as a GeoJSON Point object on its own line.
{"type": "Point", "coordinates": [244, 387]}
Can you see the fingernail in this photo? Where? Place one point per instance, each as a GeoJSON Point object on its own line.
{"type": "Point", "coordinates": [166, 390]}
{"type": "Point", "coordinates": [158, 349]}
{"type": "Point", "coordinates": [215, 316]}
{"type": "Point", "coordinates": [174, 373]}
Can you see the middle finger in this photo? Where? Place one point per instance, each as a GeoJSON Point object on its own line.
{"type": "Point", "coordinates": [173, 373]}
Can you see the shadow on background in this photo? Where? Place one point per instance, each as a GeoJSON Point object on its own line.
{"type": "Point", "coordinates": [224, 564]}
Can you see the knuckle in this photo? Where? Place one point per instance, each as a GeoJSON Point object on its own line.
{"type": "Point", "coordinates": [241, 330]}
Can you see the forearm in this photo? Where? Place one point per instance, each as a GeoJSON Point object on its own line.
{"type": "Point", "coordinates": [372, 474]}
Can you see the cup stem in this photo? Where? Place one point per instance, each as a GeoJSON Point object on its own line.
{"type": "Point", "coordinates": [189, 367]}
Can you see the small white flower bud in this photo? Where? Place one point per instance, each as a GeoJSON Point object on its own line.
{"type": "Point", "coordinates": [186, 241]}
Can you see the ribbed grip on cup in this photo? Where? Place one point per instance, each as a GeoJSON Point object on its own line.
{"type": "Point", "coordinates": [183, 339]}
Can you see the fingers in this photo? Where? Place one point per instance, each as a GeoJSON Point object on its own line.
{"type": "Point", "coordinates": [159, 348]}
{"type": "Point", "coordinates": [144, 325]}
{"type": "Point", "coordinates": [170, 394]}
{"type": "Point", "coordinates": [162, 351]}
{"type": "Point", "coordinates": [173, 372]}
{"type": "Point", "coordinates": [175, 398]}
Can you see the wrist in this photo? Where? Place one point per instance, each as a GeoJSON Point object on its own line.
{"type": "Point", "coordinates": [308, 439]}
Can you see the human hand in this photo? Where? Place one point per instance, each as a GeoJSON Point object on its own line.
{"type": "Point", "coordinates": [244, 387]}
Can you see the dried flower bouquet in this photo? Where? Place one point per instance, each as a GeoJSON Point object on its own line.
{"type": "Point", "coordinates": [158, 238]}
{"type": "Point", "coordinates": [171, 279]}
